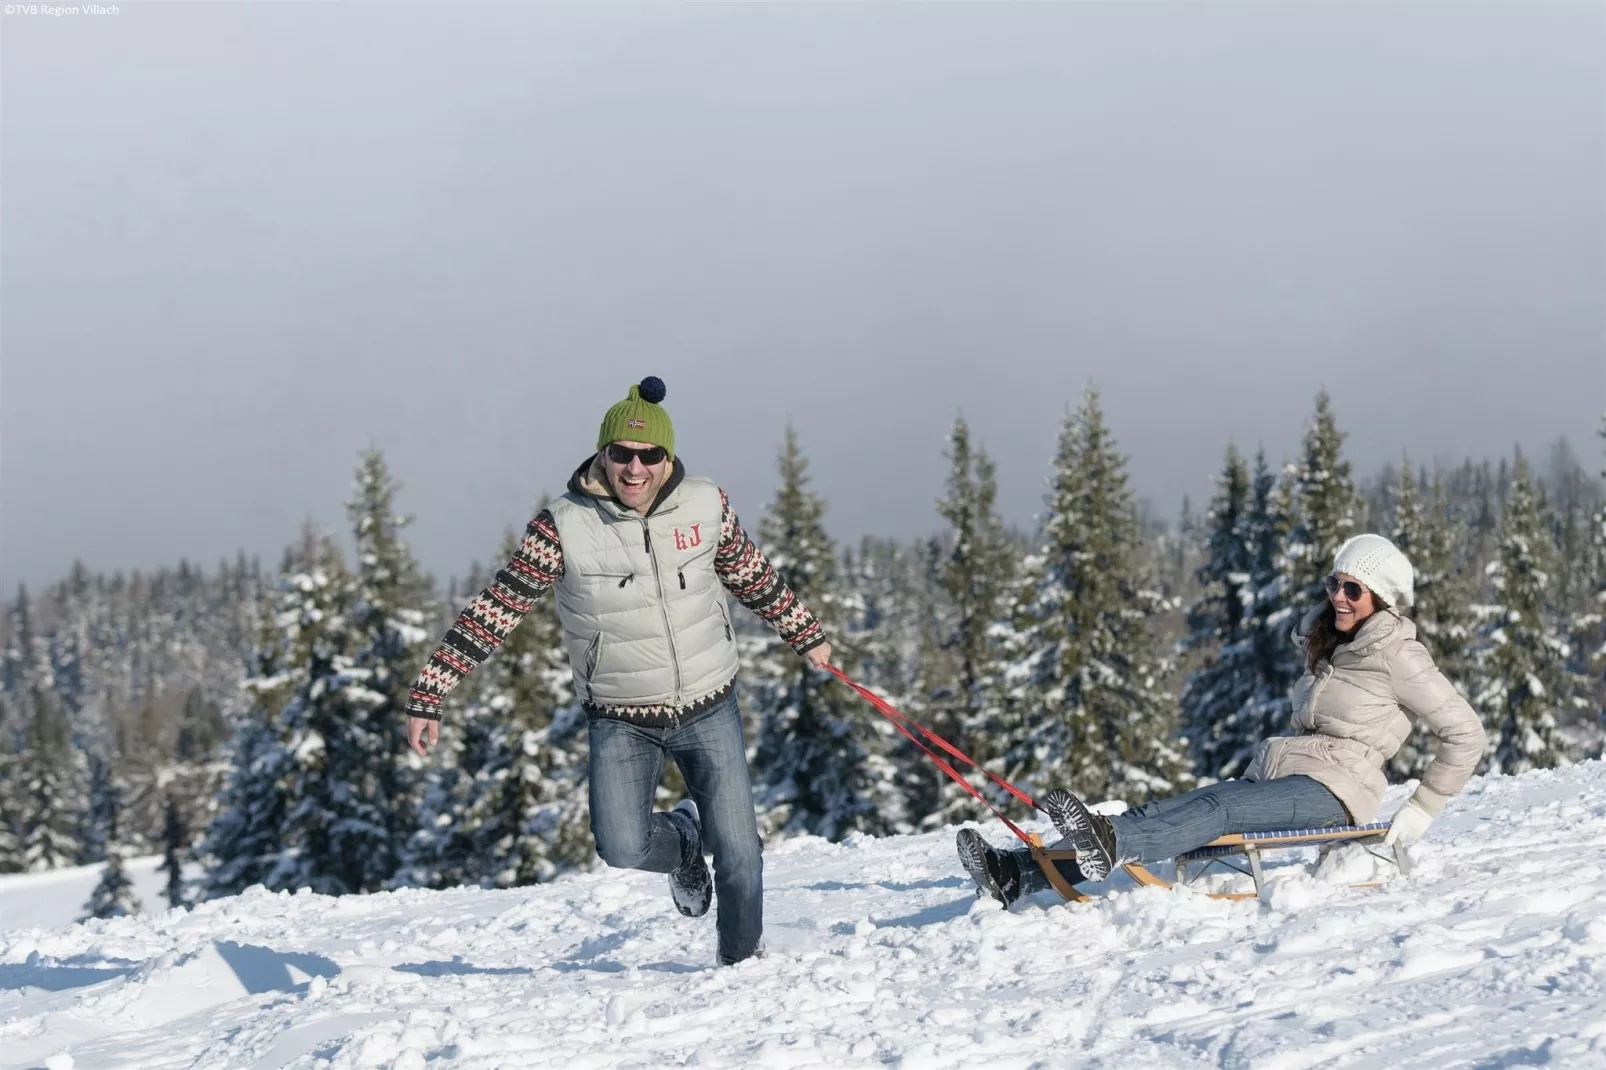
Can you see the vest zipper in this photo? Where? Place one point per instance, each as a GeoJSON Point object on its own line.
{"type": "Point", "coordinates": [682, 578]}
{"type": "Point", "coordinates": [663, 605]}
{"type": "Point", "coordinates": [626, 580]}
{"type": "Point", "coordinates": [593, 655]}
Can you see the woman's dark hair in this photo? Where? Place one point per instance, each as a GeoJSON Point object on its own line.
{"type": "Point", "coordinates": [1324, 634]}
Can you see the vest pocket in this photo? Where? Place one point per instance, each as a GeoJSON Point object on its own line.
{"type": "Point", "coordinates": [724, 615]}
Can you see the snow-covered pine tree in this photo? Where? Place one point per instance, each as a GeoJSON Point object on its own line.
{"type": "Point", "coordinates": [1177, 550]}
{"type": "Point", "coordinates": [175, 850]}
{"type": "Point", "coordinates": [1590, 627]}
{"type": "Point", "coordinates": [192, 776]}
{"type": "Point", "coordinates": [1095, 719]}
{"type": "Point", "coordinates": [977, 574]}
{"type": "Point", "coordinates": [1323, 505]}
{"type": "Point", "coordinates": [1270, 620]}
{"type": "Point", "coordinates": [201, 729]}
{"type": "Point", "coordinates": [818, 769]}
{"type": "Point", "coordinates": [1299, 527]}
{"type": "Point", "coordinates": [353, 783]}
{"type": "Point", "coordinates": [934, 685]}
{"type": "Point", "coordinates": [1445, 592]}
{"type": "Point", "coordinates": [887, 612]}
{"type": "Point", "coordinates": [1443, 612]}
{"type": "Point", "coordinates": [533, 821]}
{"type": "Point", "coordinates": [11, 806]}
{"type": "Point", "coordinates": [16, 667]}
{"type": "Point", "coordinates": [329, 814]}
{"type": "Point", "coordinates": [1219, 696]}
{"type": "Point", "coordinates": [1573, 513]}
{"type": "Point", "coordinates": [119, 655]}
{"type": "Point", "coordinates": [53, 788]}
{"type": "Point", "coordinates": [882, 588]}
{"type": "Point", "coordinates": [391, 603]}
{"type": "Point", "coordinates": [1524, 679]}
{"type": "Point", "coordinates": [107, 794]}
{"type": "Point", "coordinates": [245, 841]}
{"type": "Point", "coordinates": [114, 895]}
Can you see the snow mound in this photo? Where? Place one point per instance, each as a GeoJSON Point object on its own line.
{"type": "Point", "coordinates": [1492, 954]}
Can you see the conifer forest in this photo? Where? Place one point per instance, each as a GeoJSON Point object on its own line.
{"type": "Point", "coordinates": [245, 719]}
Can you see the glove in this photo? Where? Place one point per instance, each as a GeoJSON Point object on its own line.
{"type": "Point", "coordinates": [1408, 825]}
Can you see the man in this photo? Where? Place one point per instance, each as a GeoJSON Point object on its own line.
{"type": "Point", "coordinates": [640, 556]}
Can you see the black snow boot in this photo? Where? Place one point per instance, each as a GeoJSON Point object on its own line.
{"type": "Point", "coordinates": [994, 871]}
{"type": "Point", "coordinates": [690, 886]}
{"type": "Point", "coordinates": [1089, 834]}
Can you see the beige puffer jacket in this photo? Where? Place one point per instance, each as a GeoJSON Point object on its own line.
{"type": "Point", "coordinates": [1353, 713]}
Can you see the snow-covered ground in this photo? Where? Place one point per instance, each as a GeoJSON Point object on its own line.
{"type": "Point", "coordinates": [1492, 955]}
{"type": "Point", "coordinates": [55, 899]}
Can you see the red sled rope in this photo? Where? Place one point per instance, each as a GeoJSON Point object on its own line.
{"type": "Point", "coordinates": [904, 725]}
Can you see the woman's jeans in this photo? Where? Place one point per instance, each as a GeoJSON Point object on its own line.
{"type": "Point", "coordinates": [1166, 828]}
{"type": "Point", "coordinates": [626, 763]}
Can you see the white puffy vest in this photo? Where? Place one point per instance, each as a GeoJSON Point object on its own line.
{"type": "Point", "coordinates": [643, 612]}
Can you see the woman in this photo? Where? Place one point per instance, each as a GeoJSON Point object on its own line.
{"type": "Point", "coordinates": [1367, 680]}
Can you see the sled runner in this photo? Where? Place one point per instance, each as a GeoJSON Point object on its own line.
{"type": "Point", "coordinates": [1225, 851]}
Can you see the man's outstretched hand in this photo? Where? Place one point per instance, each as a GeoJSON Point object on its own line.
{"type": "Point", "coordinates": [418, 728]}
{"type": "Point", "coordinates": [819, 656]}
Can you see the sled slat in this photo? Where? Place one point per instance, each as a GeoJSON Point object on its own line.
{"type": "Point", "coordinates": [1247, 845]}
{"type": "Point", "coordinates": [1141, 874]}
{"type": "Point", "coordinates": [1045, 859]}
{"type": "Point", "coordinates": [1234, 843]}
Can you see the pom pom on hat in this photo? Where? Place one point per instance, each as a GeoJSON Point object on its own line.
{"type": "Point", "coordinates": [652, 389]}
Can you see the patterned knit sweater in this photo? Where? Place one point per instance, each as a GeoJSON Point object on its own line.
{"type": "Point", "coordinates": [537, 564]}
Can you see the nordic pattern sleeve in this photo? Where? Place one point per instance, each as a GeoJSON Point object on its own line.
{"type": "Point", "coordinates": [488, 620]}
{"type": "Point", "coordinates": [748, 574]}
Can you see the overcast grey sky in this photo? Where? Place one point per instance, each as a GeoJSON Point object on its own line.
{"type": "Point", "coordinates": [243, 241]}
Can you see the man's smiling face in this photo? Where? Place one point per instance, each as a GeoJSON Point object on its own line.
{"type": "Point", "coordinates": [635, 482]}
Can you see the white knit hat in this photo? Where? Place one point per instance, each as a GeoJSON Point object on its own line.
{"type": "Point", "coordinates": [1380, 565]}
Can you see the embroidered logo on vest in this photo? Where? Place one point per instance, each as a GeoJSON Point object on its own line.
{"type": "Point", "coordinates": [686, 542]}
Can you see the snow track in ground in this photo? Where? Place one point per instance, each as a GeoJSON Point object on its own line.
{"type": "Point", "coordinates": [1492, 955]}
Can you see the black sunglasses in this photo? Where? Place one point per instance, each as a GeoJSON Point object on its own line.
{"type": "Point", "coordinates": [650, 455]}
{"type": "Point", "coordinates": [1351, 589]}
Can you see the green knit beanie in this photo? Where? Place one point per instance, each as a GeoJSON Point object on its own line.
{"type": "Point", "coordinates": [639, 418]}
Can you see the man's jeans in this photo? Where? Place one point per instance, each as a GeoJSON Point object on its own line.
{"type": "Point", "coordinates": [1166, 828]}
{"type": "Point", "coordinates": [626, 763]}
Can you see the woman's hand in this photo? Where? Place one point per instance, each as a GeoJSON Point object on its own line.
{"type": "Point", "coordinates": [1408, 825]}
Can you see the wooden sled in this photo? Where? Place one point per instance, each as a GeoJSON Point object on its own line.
{"type": "Point", "coordinates": [1224, 851]}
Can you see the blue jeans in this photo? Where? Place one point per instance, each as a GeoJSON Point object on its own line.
{"type": "Point", "coordinates": [1166, 828]}
{"type": "Point", "coordinates": [626, 763]}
